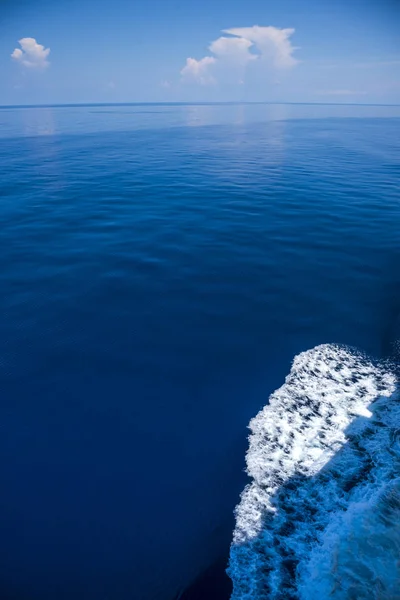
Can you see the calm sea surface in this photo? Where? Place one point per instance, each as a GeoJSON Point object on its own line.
{"type": "Point", "coordinates": [160, 267]}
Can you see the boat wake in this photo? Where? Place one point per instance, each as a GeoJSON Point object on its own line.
{"type": "Point", "coordinates": [320, 518]}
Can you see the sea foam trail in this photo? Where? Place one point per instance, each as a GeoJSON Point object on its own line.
{"type": "Point", "coordinates": [320, 517]}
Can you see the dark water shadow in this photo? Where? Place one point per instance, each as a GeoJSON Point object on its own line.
{"type": "Point", "coordinates": [212, 584]}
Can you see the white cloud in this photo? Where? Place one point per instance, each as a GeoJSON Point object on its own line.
{"type": "Point", "coordinates": [267, 45]}
{"type": "Point", "coordinates": [198, 69]}
{"type": "Point", "coordinates": [235, 49]}
{"type": "Point", "coordinates": [273, 43]}
{"type": "Point", "coordinates": [31, 54]}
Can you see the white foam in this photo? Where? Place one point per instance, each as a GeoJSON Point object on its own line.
{"type": "Point", "coordinates": [328, 441]}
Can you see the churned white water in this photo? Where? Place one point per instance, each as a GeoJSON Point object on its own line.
{"type": "Point", "coordinates": [320, 518]}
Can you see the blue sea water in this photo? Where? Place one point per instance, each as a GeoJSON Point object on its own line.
{"type": "Point", "coordinates": [160, 267]}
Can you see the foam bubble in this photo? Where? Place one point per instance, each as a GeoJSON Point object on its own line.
{"type": "Point", "coordinates": [327, 441]}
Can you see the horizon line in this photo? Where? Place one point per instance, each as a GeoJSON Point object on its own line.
{"type": "Point", "coordinates": [178, 103]}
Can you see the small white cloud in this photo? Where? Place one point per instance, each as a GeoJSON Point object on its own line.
{"type": "Point", "coordinates": [198, 69]}
{"type": "Point", "coordinates": [31, 54]}
{"type": "Point", "coordinates": [268, 46]}
{"type": "Point", "coordinates": [165, 84]}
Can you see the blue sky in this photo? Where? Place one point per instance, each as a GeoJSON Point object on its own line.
{"type": "Point", "coordinates": [208, 50]}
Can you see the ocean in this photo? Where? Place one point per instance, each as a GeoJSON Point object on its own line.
{"type": "Point", "coordinates": [160, 268]}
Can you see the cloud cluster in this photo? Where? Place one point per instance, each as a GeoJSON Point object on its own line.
{"type": "Point", "coordinates": [268, 45]}
{"type": "Point", "coordinates": [31, 54]}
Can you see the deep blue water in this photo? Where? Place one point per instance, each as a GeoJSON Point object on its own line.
{"type": "Point", "coordinates": [160, 267]}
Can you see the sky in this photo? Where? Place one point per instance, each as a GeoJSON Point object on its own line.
{"type": "Point", "coordinates": [83, 51]}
